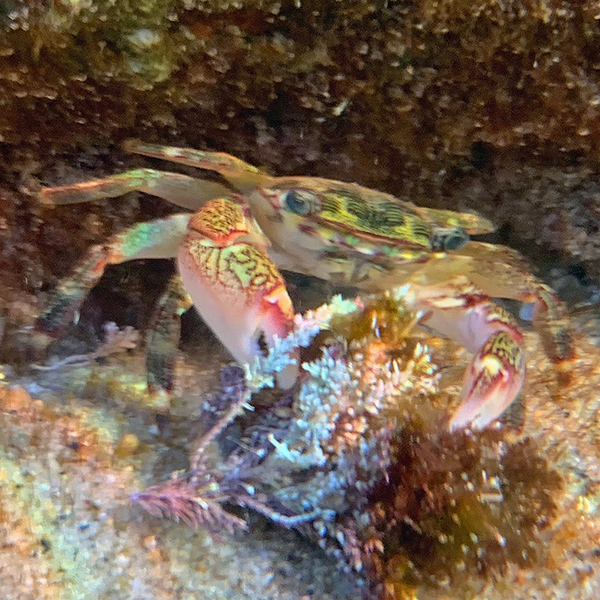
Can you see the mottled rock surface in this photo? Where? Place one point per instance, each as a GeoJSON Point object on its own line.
{"type": "Point", "coordinates": [69, 531]}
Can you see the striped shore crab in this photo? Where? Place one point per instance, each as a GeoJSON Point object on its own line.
{"type": "Point", "coordinates": [248, 225]}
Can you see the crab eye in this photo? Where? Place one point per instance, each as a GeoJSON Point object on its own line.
{"type": "Point", "coordinates": [448, 239]}
{"type": "Point", "coordinates": [297, 202]}
{"type": "Point", "coordinates": [456, 240]}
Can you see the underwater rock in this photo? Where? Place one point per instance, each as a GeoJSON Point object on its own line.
{"type": "Point", "coordinates": [68, 530]}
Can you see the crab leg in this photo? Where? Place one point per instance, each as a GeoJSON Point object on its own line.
{"type": "Point", "coordinates": [181, 190]}
{"type": "Point", "coordinates": [155, 239]}
{"type": "Point", "coordinates": [550, 318]}
{"type": "Point", "coordinates": [497, 372]}
{"type": "Point", "coordinates": [163, 336]}
{"type": "Point", "coordinates": [506, 276]}
{"type": "Point", "coordinates": [235, 286]}
{"type": "Point", "coordinates": [243, 176]}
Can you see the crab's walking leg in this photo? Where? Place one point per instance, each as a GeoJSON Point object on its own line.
{"type": "Point", "coordinates": [242, 175]}
{"type": "Point", "coordinates": [235, 286]}
{"type": "Point", "coordinates": [550, 318]}
{"type": "Point", "coordinates": [155, 239]}
{"type": "Point", "coordinates": [496, 374]}
{"type": "Point", "coordinates": [548, 314]}
{"type": "Point", "coordinates": [181, 190]}
{"type": "Point", "coordinates": [506, 275]}
{"type": "Point", "coordinates": [163, 337]}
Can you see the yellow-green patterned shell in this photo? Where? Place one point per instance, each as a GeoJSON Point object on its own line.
{"type": "Point", "coordinates": [369, 214]}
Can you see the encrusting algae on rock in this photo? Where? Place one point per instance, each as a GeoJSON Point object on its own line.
{"type": "Point", "coordinates": [69, 532]}
{"type": "Point", "coordinates": [360, 461]}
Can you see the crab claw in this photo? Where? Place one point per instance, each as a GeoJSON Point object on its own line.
{"type": "Point", "coordinates": [492, 381]}
{"type": "Point", "coordinates": [233, 283]}
{"type": "Point", "coordinates": [497, 372]}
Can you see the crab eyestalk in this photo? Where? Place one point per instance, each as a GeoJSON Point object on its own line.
{"type": "Point", "coordinates": [233, 283]}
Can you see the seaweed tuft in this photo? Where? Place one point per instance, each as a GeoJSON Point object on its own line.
{"type": "Point", "coordinates": [454, 506]}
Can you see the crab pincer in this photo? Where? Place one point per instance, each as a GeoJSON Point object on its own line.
{"type": "Point", "coordinates": [497, 371]}
{"type": "Point", "coordinates": [237, 289]}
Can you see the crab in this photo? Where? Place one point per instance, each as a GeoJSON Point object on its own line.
{"type": "Point", "coordinates": [239, 231]}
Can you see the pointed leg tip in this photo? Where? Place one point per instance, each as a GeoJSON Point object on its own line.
{"type": "Point", "coordinates": [158, 398]}
{"type": "Point", "coordinates": [130, 145]}
{"type": "Point", "coordinates": [44, 197]}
